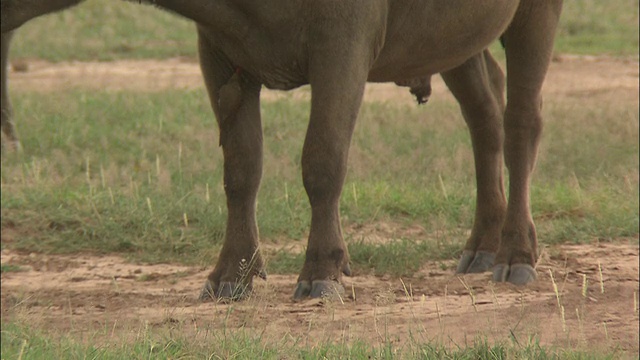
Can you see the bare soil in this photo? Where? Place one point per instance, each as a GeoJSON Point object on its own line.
{"type": "Point", "coordinates": [586, 296]}
{"type": "Point", "coordinates": [83, 295]}
{"type": "Point", "coordinates": [569, 76]}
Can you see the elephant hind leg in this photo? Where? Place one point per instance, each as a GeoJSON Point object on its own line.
{"type": "Point", "coordinates": [478, 86]}
{"type": "Point", "coordinates": [528, 46]}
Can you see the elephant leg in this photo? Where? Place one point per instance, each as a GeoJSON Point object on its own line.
{"type": "Point", "coordinates": [6, 119]}
{"type": "Point", "coordinates": [235, 98]}
{"type": "Point", "coordinates": [478, 85]}
{"type": "Point", "coordinates": [528, 46]}
{"type": "Point", "coordinates": [17, 12]}
{"type": "Point", "coordinates": [337, 86]}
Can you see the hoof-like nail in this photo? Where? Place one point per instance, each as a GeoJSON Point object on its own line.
{"type": "Point", "coordinates": [303, 289]}
{"type": "Point", "coordinates": [500, 272]}
{"type": "Point", "coordinates": [262, 274]}
{"type": "Point", "coordinates": [326, 288]}
{"type": "Point", "coordinates": [224, 291]}
{"type": "Point", "coordinates": [207, 293]}
{"type": "Point", "coordinates": [346, 269]}
{"type": "Point", "coordinates": [232, 290]}
{"type": "Point", "coordinates": [482, 261]}
{"type": "Point", "coordinates": [521, 274]}
{"type": "Point", "coordinates": [465, 260]}
{"type": "Point", "coordinates": [517, 274]}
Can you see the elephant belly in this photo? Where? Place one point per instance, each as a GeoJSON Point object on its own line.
{"type": "Point", "coordinates": [437, 36]}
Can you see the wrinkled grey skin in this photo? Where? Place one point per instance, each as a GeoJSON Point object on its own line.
{"type": "Point", "coordinates": [13, 15]}
{"type": "Point", "coordinates": [336, 46]}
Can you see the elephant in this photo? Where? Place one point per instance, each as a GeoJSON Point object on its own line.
{"type": "Point", "coordinates": [336, 47]}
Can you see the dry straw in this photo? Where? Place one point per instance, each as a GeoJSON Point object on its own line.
{"type": "Point", "coordinates": [560, 306]}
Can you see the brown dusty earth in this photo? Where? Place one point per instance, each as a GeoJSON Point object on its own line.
{"type": "Point", "coordinates": [586, 296]}
{"type": "Point", "coordinates": [570, 76]}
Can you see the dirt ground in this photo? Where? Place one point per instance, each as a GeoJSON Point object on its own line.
{"type": "Point", "coordinates": [585, 296]}
{"type": "Point", "coordinates": [105, 298]}
{"type": "Point", "coordinates": [569, 76]}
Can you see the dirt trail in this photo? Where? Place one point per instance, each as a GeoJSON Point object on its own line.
{"type": "Point", "coordinates": [83, 295]}
{"type": "Point", "coordinates": [569, 76]}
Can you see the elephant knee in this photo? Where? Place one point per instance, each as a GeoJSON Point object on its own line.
{"type": "Point", "coordinates": [321, 185]}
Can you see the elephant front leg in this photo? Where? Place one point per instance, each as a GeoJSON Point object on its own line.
{"type": "Point", "coordinates": [235, 98]}
{"type": "Point", "coordinates": [241, 140]}
{"type": "Point", "coordinates": [336, 97]}
{"type": "Point", "coordinates": [324, 162]}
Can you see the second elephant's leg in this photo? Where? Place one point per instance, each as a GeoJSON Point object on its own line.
{"type": "Point", "coordinates": [6, 119]}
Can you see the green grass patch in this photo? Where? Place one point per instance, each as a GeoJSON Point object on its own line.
{"type": "Point", "coordinates": [102, 173]}
{"type": "Point", "coordinates": [284, 262]}
{"type": "Point", "coordinates": [21, 342]}
{"type": "Point", "coordinates": [10, 268]}
{"type": "Point", "coordinates": [378, 259]}
{"type": "Point", "coordinates": [599, 27]}
{"type": "Point", "coordinates": [381, 259]}
{"type": "Point", "coordinates": [106, 30]}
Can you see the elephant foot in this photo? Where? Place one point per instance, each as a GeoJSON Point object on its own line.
{"type": "Point", "coordinates": [475, 262]}
{"type": "Point", "coordinates": [518, 274]}
{"type": "Point", "coordinates": [225, 291]}
{"type": "Point", "coordinates": [320, 277]}
{"type": "Point", "coordinates": [318, 289]}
